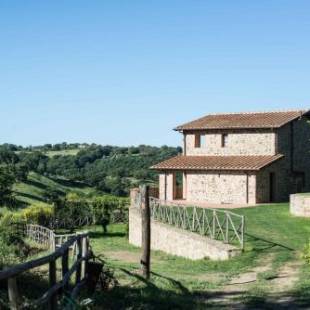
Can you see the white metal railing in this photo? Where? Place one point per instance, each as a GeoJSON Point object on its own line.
{"type": "Point", "coordinates": [47, 238]}
{"type": "Point", "coordinates": [217, 224]}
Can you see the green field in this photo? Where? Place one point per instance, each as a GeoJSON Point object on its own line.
{"type": "Point", "coordinates": [33, 190]}
{"type": "Point", "coordinates": [71, 152]}
{"type": "Point", "coordinates": [274, 240]}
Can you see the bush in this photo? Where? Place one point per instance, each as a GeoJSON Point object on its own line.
{"type": "Point", "coordinates": [306, 253]}
{"type": "Point", "coordinates": [72, 212]}
{"type": "Point", "coordinates": [109, 207]}
{"type": "Point", "coordinates": [12, 246]}
{"type": "Point", "coordinates": [75, 211]}
{"type": "Point", "coordinates": [36, 214]}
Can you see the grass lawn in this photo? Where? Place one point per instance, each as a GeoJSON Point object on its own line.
{"type": "Point", "coordinates": [72, 152]}
{"type": "Point", "coordinates": [34, 189]}
{"type": "Point", "coordinates": [275, 224]}
{"type": "Point", "coordinates": [272, 235]}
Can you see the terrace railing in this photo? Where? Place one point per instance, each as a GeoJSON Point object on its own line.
{"type": "Point", "coordinates": [222, 225]}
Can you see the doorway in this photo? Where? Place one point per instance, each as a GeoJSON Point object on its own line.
{"type": "Point", "coordinates": [178, 192]}
{"type": "Point", "coordinates": [272, 187]}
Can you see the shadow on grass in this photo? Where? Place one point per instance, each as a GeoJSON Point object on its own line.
{"type": "Point", "coordinates": [31, 285]}
{"type": "Point", "coordinates": [144, 294]}
{"type": "Point", "coordinates": [100, 234]}
{"type": "Point", "coordinates": [262, 244]}
{"type": "Point", "coordinates": [36, 184]}
{"type": "Point", "coordinates": [68, 183]}
{"type": "Point", "coordinates": [30, 196]}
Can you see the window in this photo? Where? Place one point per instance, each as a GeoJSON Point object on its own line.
{"type": "Point", "coordinates": [200, 140]}
{"type": "Point", "coordinates": [224, 139]}
{"type": "Point", "coordinates": [197, 140]}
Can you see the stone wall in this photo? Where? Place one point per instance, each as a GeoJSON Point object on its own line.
{"type": "Point", "coordinates": [221, 187]}
{"type": "Point", "coordinates": [296, 135]}
{"type": "Point", "coordinates": [178, 242]}
{"type": "Point", "coordinates": [300, 205]}
{"type": "Point", "coordinates": [254, 142]}
{"type": "Point", "coordinates": [281, 184]}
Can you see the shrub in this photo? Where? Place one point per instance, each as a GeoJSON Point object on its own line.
{"type": "Point", "coordinates": [72, 212]}
{"type": "Point", "coordinates": [113, 209]}
{"type": "Point", "coordinates": [12, 246]}
{"type": "Point", "coordinates": [75, 211]}
{"type": "Point", "coordinates": [37, 214]}
{"type": "Point", "coordinates": [306, 253]}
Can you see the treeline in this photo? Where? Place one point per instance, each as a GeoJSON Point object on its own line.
{"type": "Point", "coordinates": [110, 169]}
{"type": "Point", "coordinates": [46, 147]}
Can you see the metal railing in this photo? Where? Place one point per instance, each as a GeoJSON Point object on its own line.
{"type": "Point", "coordinates": [222, 225]}
{"type": "Point", "coordinates": [47, 238]}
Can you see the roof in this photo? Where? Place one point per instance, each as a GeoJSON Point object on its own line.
{"type": "Point", "coordinates": [244, 120]}
{"type": "Point", "coordinates": [182, 162]}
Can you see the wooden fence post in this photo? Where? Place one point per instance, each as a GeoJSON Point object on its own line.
{"type": "Point", "coordinates": [65, 268]}
{"type": "Point", "coordinates": [52, 304]}
{"type": "Point", "coordinates": [146, 231]}
{"type": "Point", "coordinates": [79, 255]}
{"type": "Point", "coordinates": [84, 253]}
{"type": "Point", "coordinates": [14, 298]}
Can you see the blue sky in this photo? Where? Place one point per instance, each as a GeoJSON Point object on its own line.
{"type": "Point", "coordinates": [127, 72]}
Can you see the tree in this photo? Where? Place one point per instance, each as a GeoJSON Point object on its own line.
{"type": "Point", "coordinates": [7, 179]}
{"type": "Point", "coordinates": [21, 172]}
{"type": "Point", "coordinates": [8, 157]}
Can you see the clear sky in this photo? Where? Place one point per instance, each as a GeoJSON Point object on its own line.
{"type": "Point", "coordinates": [126, 72]}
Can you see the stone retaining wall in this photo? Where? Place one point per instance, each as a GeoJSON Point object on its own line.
{"type": "Point", "coordinates": [300, 205]}
{"type": "Point", "coordinates": [177, 241]}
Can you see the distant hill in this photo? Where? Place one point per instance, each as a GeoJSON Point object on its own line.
{"type": "Point", "coordinates": [104, 168]}
{"type": "Point", "coordinates": [37, 188]}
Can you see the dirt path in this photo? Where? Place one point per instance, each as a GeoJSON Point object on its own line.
{"type": "Point", "coordinates": [239, 285]}
{"type": "Point", "coordinates": [122, 255]}
{"type": "Point", "coordinates": [232, 295]}
{"type": "Point", "coordinates": [281, 287]}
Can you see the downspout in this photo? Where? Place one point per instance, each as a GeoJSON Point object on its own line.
{"type": "Point", "coordinates": [247, 188]}
{"type": "Point", "coordinates": [292, 147]}
{"type": "Point", "coordinates": [165, 186]}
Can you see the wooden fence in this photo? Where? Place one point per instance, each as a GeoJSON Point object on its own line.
{"type": "Point", "coordinates": [217, 224]}
{"type": "Point", "coordinates": [53, 295]}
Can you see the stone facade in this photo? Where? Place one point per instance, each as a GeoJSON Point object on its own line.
{"type": "Point", "coordinates": [254, 142]}
{"type": "Point", "coordinates": [300, 205]}
{"type": "Point", "coordinates": [273, 183]}
{"type": "Point", "coordinates": [177, 241]}
{"type": "Point", "coordinates": [221, 187]}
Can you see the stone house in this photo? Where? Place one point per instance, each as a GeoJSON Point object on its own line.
{"type": "Point", "coordinates": [240, 158]}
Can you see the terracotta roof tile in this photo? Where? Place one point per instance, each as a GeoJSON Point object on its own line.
{"type": "Point", "coordinates": [243, 120]}
{"type": "Point", "coordinates": [217, 162]}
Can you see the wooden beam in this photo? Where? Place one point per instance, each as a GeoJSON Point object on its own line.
{"type": "Point", "coordinates": [146, 232]}
{"type": "Point", "coordinates": [52, 304]}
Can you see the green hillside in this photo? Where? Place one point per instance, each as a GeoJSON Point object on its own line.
{"type": "Point", "coordinates": [35, 188]}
